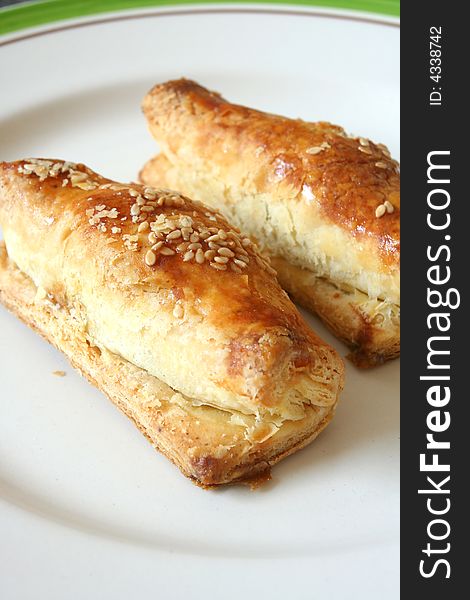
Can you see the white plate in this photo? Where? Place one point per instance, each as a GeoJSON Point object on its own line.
{"type": "Point", "coordinates": [87, 508]}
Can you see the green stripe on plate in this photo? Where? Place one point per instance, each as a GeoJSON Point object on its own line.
{"type": "Point", "coordinates": [22, 16]}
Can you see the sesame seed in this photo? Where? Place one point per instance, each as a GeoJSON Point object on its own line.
{"type": "Point", "coordinates": [217, 266]}
{"type": "Point", "coordinates": [209, 254]}
{"type": "Point", "coordinates": [365, 149]}
{"type": "Point", "coordinates": [246, 242]}
{"type": "Point", "coordinates": [194, 246]}
{"type": "Point", "coordinates": [157, 246]}
{"type": "Point", "coordinates": [384, 149]}
{"type": "Point", "coordinates": [194, 237]}
{"type": "Point", "coordinates": [243, 257]}
{"type": "Point", "coordinates": [363, 141]}
{"type": "Point", "coordinates": [178, 311]}
{"type": "Point", "coordinates": [221, 259]}
{"type": "Point", "coordinates": [235, 268]}
{"type": "Point", "coordinates": [222, 234]}
{"type": "Point", "coordinates": [135, 210]}
{"type": "Point", "coordinates": [186, 233]}
{"type": "Point", "coordinates": [143, 227]}
{"type": "Point", "coordinates": [132, 192]}
{"type": "Point", "coordinates": [79, 176]}
{"type": "Point", "coordinates": [174, 235]}
{"type": "Point", "coordinates": [314, 150]}
{"type": "Point", "coordinates": [200, 256]}
{"type": "Point", "coordinates": [167, 251]}
{"type": "Point", "coordinates": [150, 258]}
{"type": "Point", "coordinates": [380, 211]}
{"type": "Point", "coordinates": [226, 252]}
{"type": "Point", "coordinates": [182, 247]}
{"type": "Point", "coordinates": [188, 256]}
{"type": "Point", "coordinates": [152, 238]}
{"type": "Point", "coordinates": [240, 263]}
{"type": "Point", "coordinates": [147, 208]}
{"type": "Point", "coordinates": [116, 230]}
{"type": "Point", "coordinates": [389, 206]}
{"type": "Point", "coordinates": [213, 238]}
{"type": "Point", "coordinates": [213, 245]}
{"type": "Point", "coordinates": [381, 165]}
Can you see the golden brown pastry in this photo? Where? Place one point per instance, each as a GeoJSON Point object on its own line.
{"type": "Point", "coordinates": [324, 205]}
{"type": "Point", "coordinates": [170, 311]}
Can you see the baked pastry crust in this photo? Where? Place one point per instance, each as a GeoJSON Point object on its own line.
{"type": "Point", "coordinates": [72, 276]}
{"type": "Point", "coordinates": [307, 192]}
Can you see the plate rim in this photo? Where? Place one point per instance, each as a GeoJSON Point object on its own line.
{"type": "Point", "coordinates": [29, 16]}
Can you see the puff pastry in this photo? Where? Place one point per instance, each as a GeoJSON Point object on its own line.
{"type": "Point", "coordinates": [170, 311]}
{"type": "Point", "coordinates": [324, 205]}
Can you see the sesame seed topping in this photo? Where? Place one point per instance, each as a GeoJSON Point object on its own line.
{"type": "Point", "coordinates": [157, 246]}
{"type": "Point", "coordinates": [150, 258]}
{"type": "Point", "coordinates": [226, 252]}
{"type": "Point", "coordinates": [365, 149]}
{"type": "Point", "coordinates": [218, 266]}
{"type": "Point", "coordinates": [221, 259]}
{"type": "Point", "coordinates": [381, 165]}
{"type": "Point", "coordinates": [174, 235]}
{"type": "Point", "coordinates": [363, 141]}
{"type": "Point", "coordinates": [389, 206]}
{"type": "Point", "coordinates": [180, 227]}
{"type": "Point", "coordinates": [194, 246]}
{"type": "Point", "coordinates": [314, 150]}
{"type": "Point", "coordinates": [240, 263]}
{"type": "Point", "coordinates": [182, 247]}
{"type": "Point", "coordinates": [384, 149]}
{"type": "Point", "coordinates": [380, 211]}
